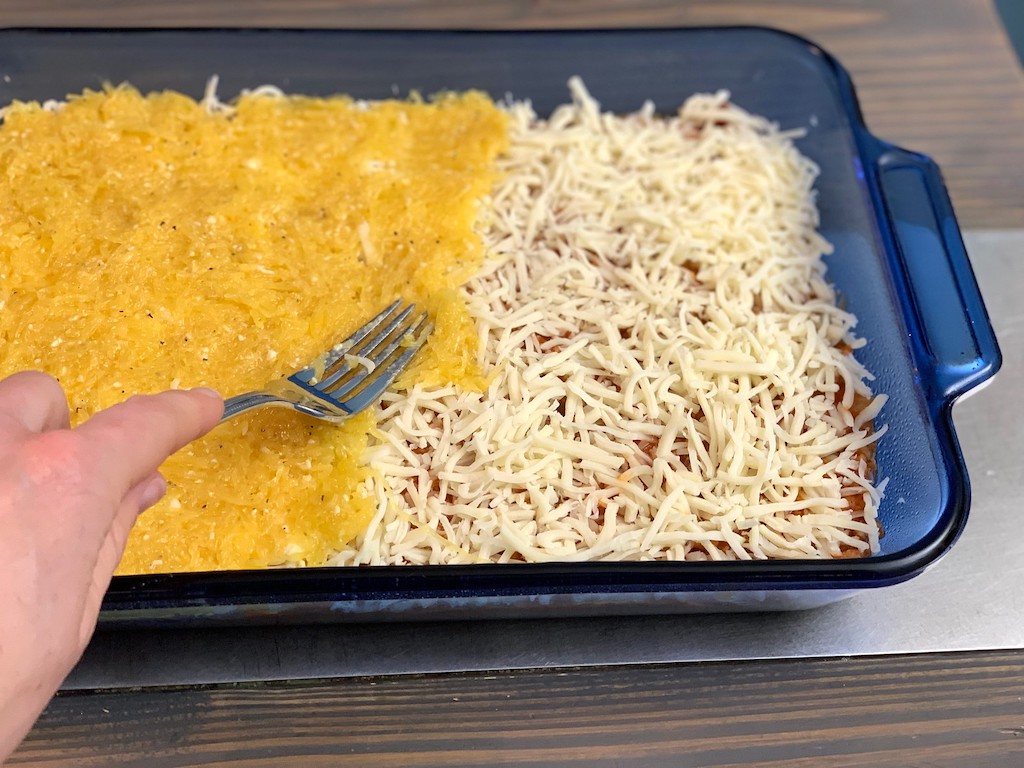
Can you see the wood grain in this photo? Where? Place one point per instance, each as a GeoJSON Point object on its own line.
{"type": "Point", "coordinates": [938, 77]}
{"type": "Point", "coordinates": [939, 710]}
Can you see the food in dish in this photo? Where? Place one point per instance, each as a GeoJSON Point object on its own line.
{"type": "Point", "coordinates": [670, 376]}
{"type": "Point", "coordinates": [650, 363]}
{"type": "Point", "coordinates": [153, 242]}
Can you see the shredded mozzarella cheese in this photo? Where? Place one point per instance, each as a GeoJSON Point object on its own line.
{"type": "Point", "coordinates": [670, 375]}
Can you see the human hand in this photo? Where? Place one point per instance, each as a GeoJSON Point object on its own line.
{"type": "Point", "coordinates": [68, 498]}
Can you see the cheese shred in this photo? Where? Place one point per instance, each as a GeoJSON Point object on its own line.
{"type": "Point", "coordinates": [670, 376]}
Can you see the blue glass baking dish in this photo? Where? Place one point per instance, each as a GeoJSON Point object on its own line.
{"type": "Point", "coordinates": [899, 264]}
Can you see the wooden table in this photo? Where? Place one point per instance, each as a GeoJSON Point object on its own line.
{"type": "Point", "coordinates": [938, 77]}
{"type": "Point", "coordinates": [930, 710]}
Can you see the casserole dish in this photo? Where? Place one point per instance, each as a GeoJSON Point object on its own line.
{"type": "Point", "coordinates": [899, 264]}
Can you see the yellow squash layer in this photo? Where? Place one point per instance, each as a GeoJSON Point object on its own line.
{"type": "Point", "coordinates": [148, 243]}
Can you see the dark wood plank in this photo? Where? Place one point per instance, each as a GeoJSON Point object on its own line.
{"type": "Point", "coordinates": [938, 77]}
{"type": "Point", "coordinates": [939, 710]}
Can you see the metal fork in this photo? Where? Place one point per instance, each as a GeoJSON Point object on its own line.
{"type": "Point", "coordinates": [350, 375]}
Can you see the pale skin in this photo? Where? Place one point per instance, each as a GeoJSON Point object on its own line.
{"type": "Point", "coordinates": [68, 499]}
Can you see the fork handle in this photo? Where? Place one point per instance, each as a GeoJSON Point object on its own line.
{"type": "Point", "coordinates": [246, 402]}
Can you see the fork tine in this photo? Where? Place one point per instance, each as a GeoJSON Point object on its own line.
{"type": "Point", "coordinates": [376, 383]}
{"type": "Point", "coordinates": [338, 387]}
{"type": "Point", "coordinates": [389, 349]}
{"type": "Point", "coordinates": [338, 351]}
{"type": "Point", "coordinates": [364, 348]}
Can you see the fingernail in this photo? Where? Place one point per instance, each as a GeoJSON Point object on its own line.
{"type": "Point", "coordinates": [152, 493]}
{"type": "Point", "coordinates": [207, 392]}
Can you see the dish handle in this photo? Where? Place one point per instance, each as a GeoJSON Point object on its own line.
{"type": "Point", "coordinates": [956, 332]}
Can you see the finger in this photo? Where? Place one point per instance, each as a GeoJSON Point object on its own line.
{"type": "Point", "coordinates": [144, 495]}
{"type": "Point", "coordinates": [140, 498]}
{"type": "Point", "coordinates": [34, 400]}
{"type": "Point", "coordinates": [130, 440]}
